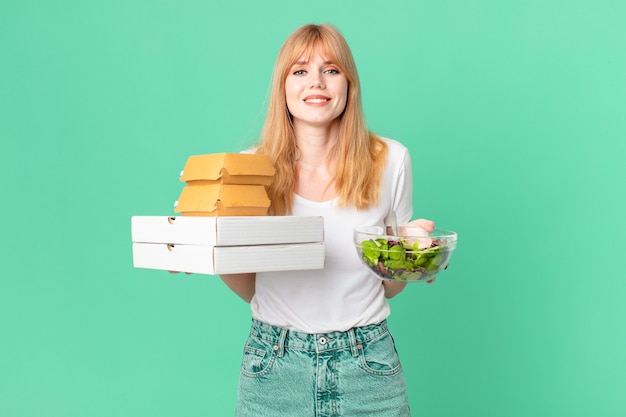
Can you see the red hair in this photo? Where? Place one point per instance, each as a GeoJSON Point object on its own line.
{"type": "Point", "coordinates": [359, 155]}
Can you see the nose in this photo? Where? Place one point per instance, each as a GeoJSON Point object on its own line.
{"type": "Point", "coordinates": [317, 82]}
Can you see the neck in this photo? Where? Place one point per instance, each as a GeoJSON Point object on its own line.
{"type": "Point", "coordinates": [315, 143]}
{"type": "Point", "coordinates": [315, 169]}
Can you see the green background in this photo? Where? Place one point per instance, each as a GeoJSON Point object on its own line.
{"type": "Point", "coordinates": [514, 112]}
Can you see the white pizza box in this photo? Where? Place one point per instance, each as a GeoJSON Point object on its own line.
{"type": "Point", "coordinates": [227, 231]}
{"type": "Point", "coordinates": [212, 260]}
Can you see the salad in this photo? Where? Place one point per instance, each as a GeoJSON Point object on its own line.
{"type": "Point", "coordinates": [398, 259]}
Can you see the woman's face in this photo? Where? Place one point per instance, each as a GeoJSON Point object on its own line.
{"type": "Point", "coordinates": [316, 91]}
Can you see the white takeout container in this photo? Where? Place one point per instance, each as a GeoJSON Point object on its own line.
{"type": "Point", "coordinates": [228, 245]}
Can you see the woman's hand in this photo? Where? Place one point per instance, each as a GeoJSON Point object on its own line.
{"type": "Point", "coordinates": [425, 224]}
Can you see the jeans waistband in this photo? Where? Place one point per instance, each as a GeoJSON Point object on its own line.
{"type": "Point", "coordinates": [318, 342]}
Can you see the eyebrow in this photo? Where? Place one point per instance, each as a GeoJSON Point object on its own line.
{"type": "Point", "coordinates": [306, 62]}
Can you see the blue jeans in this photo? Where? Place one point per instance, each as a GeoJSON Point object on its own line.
{"type": "Point", "coordinates": [337, 374]}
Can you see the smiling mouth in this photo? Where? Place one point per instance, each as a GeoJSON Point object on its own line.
{"type": "Point", "coordinates": [316, 99]}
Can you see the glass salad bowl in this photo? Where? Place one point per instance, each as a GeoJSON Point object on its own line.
{"type": "Point", "coordinates": [415, 256]}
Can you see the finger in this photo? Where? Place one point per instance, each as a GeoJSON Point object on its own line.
{"type": "Point", "coordinates": [427, 225]}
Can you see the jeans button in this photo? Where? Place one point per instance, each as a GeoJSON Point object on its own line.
{"type": "Point", "coordinates": [322, 340]}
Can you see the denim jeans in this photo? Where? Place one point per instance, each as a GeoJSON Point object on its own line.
{"type": "Point", "coordinates": [338, 374]}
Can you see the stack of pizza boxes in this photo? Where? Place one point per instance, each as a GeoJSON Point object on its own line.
{"type": "Point", "coordinates": [224, 227]}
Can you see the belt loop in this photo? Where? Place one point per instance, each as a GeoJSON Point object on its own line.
{"type": "Point", "coordinates": [353, 342]}
{"type": "Point", "coordinates": [281, 342]}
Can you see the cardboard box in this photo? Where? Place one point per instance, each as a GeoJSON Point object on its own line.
{"type": "Point", "coordinates": [228, 245]}
{"type": "Point", "coordinates": [227, 231]}
{"type": "Point", "coordinates": [201, 259]}
{"type": "Point", "coordinates": [223, 200]}
{"type": "Point", "coordinates": [228, 168]}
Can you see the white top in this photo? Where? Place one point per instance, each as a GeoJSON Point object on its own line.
{"type": "Point", "coordinates": [344, 294]}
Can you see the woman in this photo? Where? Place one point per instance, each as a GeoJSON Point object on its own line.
{"type": "Point", "coordinates": [319, 343]}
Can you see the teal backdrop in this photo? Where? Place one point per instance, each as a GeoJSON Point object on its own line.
{"type": "Point", "coordinates": [514, 113]}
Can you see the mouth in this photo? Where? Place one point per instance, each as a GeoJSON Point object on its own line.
{"type": "Point", "coordinates": [316, 99]}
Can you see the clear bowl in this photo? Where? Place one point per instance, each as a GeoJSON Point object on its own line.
{"type": "Point", "coordinates": [415, 257]}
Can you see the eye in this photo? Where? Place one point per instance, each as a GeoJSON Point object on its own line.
{"type": "Point", "coordinates": [299, 72]}
{"type": "Point", "coordinates": [332, 71]}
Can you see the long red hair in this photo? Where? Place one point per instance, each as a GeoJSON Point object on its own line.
{"type": "Point", "coordinates": [359, 155]}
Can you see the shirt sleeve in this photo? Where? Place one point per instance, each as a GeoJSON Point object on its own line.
{"type": "Point", "coordinates": [403, 198]}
